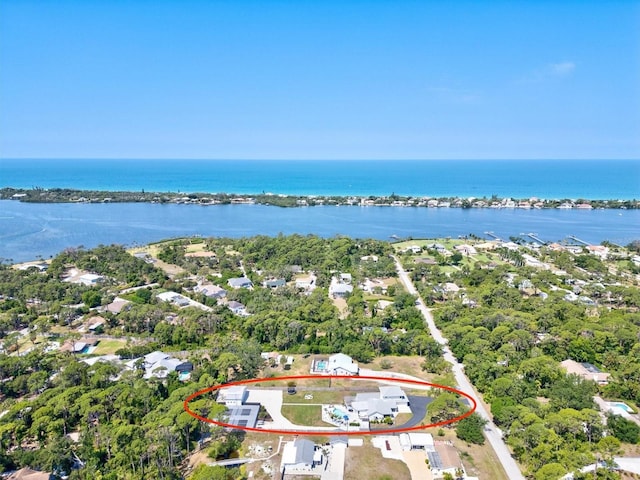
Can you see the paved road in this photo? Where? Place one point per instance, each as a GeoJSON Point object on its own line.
{"type": "Point", "coordinates": [492, 433]}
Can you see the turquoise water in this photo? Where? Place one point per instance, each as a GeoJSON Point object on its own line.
{"type": "Point", "coordinates": [338, 412]}
{"type": "Point", "coordinates": [623, 406]}
{"type": "Point", "coordinates": [593, 179]}
{"type": "Point", "coordinates": [31, 230]}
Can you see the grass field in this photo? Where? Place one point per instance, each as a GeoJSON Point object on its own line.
{"type": "Point", "coordinates": [324, 397]}
{"type": "Point", "coordinates": [368, 460]}
{"type": "Point", "coordinates": [309, 415]}
{"type": "Point", "coordinates": [109, 347]}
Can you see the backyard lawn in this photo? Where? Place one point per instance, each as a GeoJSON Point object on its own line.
{"type": "Point", "coordinates": [109, 347]}
{"type": "Point", "coordinates": [309, 415]}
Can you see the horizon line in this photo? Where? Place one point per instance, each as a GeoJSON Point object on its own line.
{"type": "Point", "coordinates": [325, 159]}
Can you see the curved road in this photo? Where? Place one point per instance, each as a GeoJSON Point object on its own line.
{"type": "Point", "coordinates": [491, 431]}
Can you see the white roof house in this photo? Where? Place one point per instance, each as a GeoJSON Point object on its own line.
{"type": "Point", "coordinates": [233, 396]}
{"type": "Point", "coordinates": [376, 406]}
{"type": "Point", "coordinates": [341, 364]}
{"type": "Point", "coordinates": [90, 279]}
{"type": "Point", "coordinates": [299, 455]}
{"type": "Point", "coordinates": [417, 441]}
{"type": "Point", "coordinates": [159, 364]}
{"type": "Point", "coordinates": [395, 394]}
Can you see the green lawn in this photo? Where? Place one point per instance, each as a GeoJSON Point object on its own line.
{"type": "Point", "coordinates": [324, 397]}
{"type": "Point", "coordinates": [308, 415]}
{"type": "Point", "coordinates": [109, 347]}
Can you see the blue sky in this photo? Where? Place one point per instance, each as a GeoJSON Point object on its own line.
{"type": "Point", "coordinates": [327, 80]}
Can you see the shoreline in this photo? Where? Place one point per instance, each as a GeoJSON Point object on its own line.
{"type": "Point", "coordinates": [65, 195]}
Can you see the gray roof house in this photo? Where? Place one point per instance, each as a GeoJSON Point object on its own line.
{"type": "Point", "coordinates": [240, 282]}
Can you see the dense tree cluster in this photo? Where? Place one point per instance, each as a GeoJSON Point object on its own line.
{"type": "Point", "coordinates": [512, 343]}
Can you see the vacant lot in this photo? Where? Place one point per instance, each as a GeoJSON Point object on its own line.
{"type": "Point", "coordinates": [367, 462]}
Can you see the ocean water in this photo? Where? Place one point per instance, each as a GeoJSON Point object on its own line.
{"type": "Point", "coordinates": [592, 179]}
{"type": "Point", "coordinates": [30, 230]}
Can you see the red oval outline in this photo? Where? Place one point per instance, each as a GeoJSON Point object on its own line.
{"type": "Point", "coordinates": [328, 433]}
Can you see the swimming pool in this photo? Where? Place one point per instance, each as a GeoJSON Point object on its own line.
{"type": "Point", "coordinates": [622, 405]}
{"type": "Point", "coordinates": [321, 365]}
{"type": "Point", "coordinates": [338, 412]}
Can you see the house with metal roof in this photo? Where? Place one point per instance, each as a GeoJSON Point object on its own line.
{"type": "Point", "coordinates": [300, 455]}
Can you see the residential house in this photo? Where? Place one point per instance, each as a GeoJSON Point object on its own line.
{"type": "Point", "coordinates": [338, 364]}
{"type": "Point", "coordinates": [417, 441]}
{"type": "Point", "coordinates": [29, 474]}
{"type": "Point", "coordinates": [465, 249]}
{"type": "Point", "coordinates": [387, 402]}
{"type": "Point", "coordinates": [345, 278]}
{"type": "Point", "coordinates": [444, 459]}
{"type": "Point", "coordinates": [586, 371]}
{"type": "Point", "coordinates": [341, 364]}
{"type": "Point", "coordinates": [339, 290]}
{"type": "Point", "coordinates": [239, 412]}
{"type": "Point", "coordinates": [175, 298]}
{"type": "Point", "coordinates": [308, 284]}
{"type": "Point", "coordinates": [241, 282]}
{"type": "Point", "coordinates": [300, 455]}
{"type": "Point", "coordinates": [210, 290]}
{"type": "Point", "coordinates": [599, 251]}
{"type": "Point", "coordinates": [395, 394]}
{"type": "Point", "coordinates": [89, 279]}
{"type": "Point", "coordinates": [274, 283]}
{"type": "Point", "coordinates": [233, 396]}
{"type": "Point", "coordinates": [117, 305]}
{"type": "Point", "coordinates": [237, 308]}
{"type": "Point", "coordinates": [159, 364]}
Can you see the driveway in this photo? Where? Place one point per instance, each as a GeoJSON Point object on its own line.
{"type": "Point", "coordinates": [418, 409]}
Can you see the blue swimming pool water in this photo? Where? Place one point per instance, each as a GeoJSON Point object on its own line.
{"type": "Point", "coordinates": [623, 406]}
